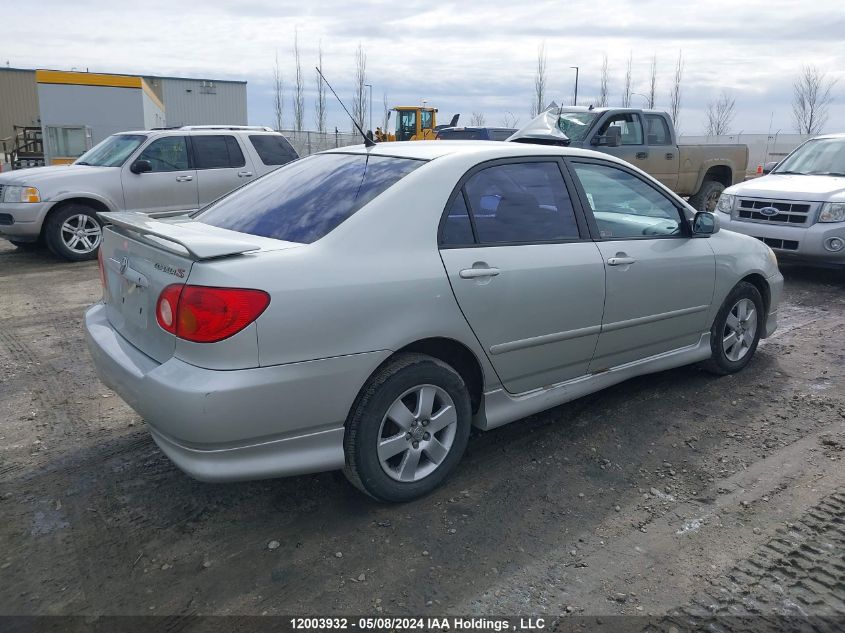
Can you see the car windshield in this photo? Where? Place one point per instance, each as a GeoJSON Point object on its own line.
{"type": "Point", "coordinates": [112, 152]}
{"type": "Point", "coordinates": [823, 156]}
{"type": "Point", "coordinates": [306, 199]}
{"type": "Point", "coordinates": [575, 124]}
{"type": "Point", "coordinates": [462, 134]}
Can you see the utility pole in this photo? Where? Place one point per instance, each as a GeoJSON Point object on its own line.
{"type": "Point", "coordinates": [575, 100]}
{"type": "Point", "coordinates": [370, 86]}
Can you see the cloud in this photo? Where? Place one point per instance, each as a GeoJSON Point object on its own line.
{"type": "Point", "coordinates": [460, 56]}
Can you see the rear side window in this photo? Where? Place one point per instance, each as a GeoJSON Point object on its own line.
{"type": "Point", "coordinates": [309, 198]}
{"type": "Point", "coordinates": [217, 152]}
{"type": "Point", "coordinates": [657, 130]}
{"type": "Point", "coordinates": [513, 203]}
{"type": "Point", "coordinates": [273, 149]}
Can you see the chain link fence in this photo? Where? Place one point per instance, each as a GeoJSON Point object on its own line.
{"type": "Point", "coordinates": [306, 142]}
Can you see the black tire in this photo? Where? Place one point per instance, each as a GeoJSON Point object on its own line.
{"type": "Point", "coordinates": [719, 363]}
{"type": "Point", "coordinates": [363, 427]}
{"type": "Point", "coordinates": [53, 231]}
{"type": "Point", "coordinates": [707, 197]}
{"type": "Point", "coordinates": [27, 246]}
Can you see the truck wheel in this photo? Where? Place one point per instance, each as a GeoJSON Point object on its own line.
{"type": "Point", "coordinates": [408, 429]}
{"type": "Point", "coordinates": [707, 196]}
{"type": "Point", "coordinates": [736, 330]}
{"type": "Point", "coordinates": [74, 232]}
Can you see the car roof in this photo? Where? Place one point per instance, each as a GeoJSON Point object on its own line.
{"type": "Point", "coordinates": [486, 150]}
{"type": "Point", "coordinates": [833, 135]}
{"type": "Point", "coordinates": [182, 131]}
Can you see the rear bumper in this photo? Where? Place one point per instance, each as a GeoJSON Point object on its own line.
{"type": "Point", "coordinates": [792, 242]}
{"type": "Point", "coordinates": [775, 291]}
{"type": "Point", "coordinates": [238, 424]}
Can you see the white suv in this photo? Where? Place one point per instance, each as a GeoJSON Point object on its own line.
{"type": "Point", "coordinates": [159, 172]}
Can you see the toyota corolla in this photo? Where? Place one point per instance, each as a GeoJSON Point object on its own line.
{"type": "Point", "coordinates": [362, 309]}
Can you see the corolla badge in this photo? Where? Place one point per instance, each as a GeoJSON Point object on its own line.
{"type": "Point", "coordinates": [769, 211]}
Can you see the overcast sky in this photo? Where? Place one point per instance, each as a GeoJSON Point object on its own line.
{"type": "Point", "coordinates": [460, 57]}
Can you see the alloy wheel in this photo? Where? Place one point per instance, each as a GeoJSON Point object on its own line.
{"type": "Point", "coordinates": [740, 329]}
{"type": "Point", "coordinates": [417, 433]}
{"type": "Point", "coordinates": [81, 233]}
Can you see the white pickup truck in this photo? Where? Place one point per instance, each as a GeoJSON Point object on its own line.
{"type": "Point", "coordinates": [159, 172]}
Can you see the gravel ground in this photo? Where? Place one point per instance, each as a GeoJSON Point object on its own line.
{"type": "Point", "coordinates": [674, 495]}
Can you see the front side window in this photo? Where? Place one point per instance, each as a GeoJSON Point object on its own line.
{"type": "Point", "coordinates": [426, 119]}
{"type": "Point", "coordinates": [217, 151]}
{"type": "Point", "coordinates": [113, 151]}
{"type": "Point", "coordinates": [658, 130]}
{"type": "Point", "coordinates": [625, 206]}
{"type": "Point", "coordinates": [821, 157]}
{"type": "Point", "coordinates": [630, 128]}
{"type": "Point", "coordinates": [306, 199]}
{"type": "Point", "coordinates": [520, 202]}
{"type": "Point", "coordinates": [169, 153]}
{"type": "Point", "coordinates": [273, 149]}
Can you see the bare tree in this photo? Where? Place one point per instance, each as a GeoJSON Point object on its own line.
{"type": "Point", "coordinates": [278, 94]}
{"type": "Point", "coordinates": [602, 101]}
{"type": "Point", "coordinates": [539, 103]}
{"type": "Point", "coordinates": [320, 101]}
{"type": "Point", "coordinates": [298, 87]}
{"type": "Point", "coordinates": [675, 92]}
{"type": "Point", "coordinates": [509, 119]}
{"type": "Point", "coordinates": [720, 115]}
{"type": "Point", "coordinates": [477, 119]}
{"type": "Point", "coordinates": [652, 84]}
{"type": "Point", "coordinates": [810, 100]}
{"type": "Point", "coordinates": [626, 93]}
{"type": "Point", "coordinates": [386, 116]}
{"type": "Point", "coordinates": [359, 102]}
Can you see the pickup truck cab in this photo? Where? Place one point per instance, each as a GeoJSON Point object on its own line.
{"type": "Point", "coordinates": [158, 172]}
{"type": "Point", "coordinates": [798, 209]}
{"type": "Point", "coordinates": [647, 140]}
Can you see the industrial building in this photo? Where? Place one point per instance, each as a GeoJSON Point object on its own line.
{"type": "Point", "coordinates": [52, 117]}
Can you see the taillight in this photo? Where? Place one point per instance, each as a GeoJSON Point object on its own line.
{"type": "Point", "coordinates": [206, 315]}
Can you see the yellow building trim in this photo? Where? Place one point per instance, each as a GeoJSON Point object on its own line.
{"type": "Point", "coordinates": [151, 94]}
{"type": "Point", "coordinates": [87, 79]}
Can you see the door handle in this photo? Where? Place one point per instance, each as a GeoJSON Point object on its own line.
{"type": "Point", "coordinates": [620, 261]}
{"type": "Point", "coordinates": [642, 154]}
{"type": "Point", "coordinates": [476, 273]}
{"type": "Point", "coordinates": [669, 156]}
{"type": "Point", "coordinates": [244, 174]}
{"type": "Point", "coordinates": [184, 178]}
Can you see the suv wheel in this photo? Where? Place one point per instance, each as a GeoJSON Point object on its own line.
{"type": "Point", "coordinates": [408, 429]}
{"type": "Point", "coordinates": [736, 330]}
{"type": "Point", "coordinates": [74, 232]}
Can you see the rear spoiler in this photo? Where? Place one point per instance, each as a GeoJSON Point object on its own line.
{"type": "Point", "coordinates": [201, 243]}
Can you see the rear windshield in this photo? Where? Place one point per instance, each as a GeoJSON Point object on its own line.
{"type": "Point", "coordinates": [469, 135]}
{"type": "Point", "coordinates": [307, 199]}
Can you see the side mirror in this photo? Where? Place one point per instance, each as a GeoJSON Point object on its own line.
{"type": "Point", "coordinates": [611, 138]}
{"type": "Point", "coordinates": [768, 167]}
{"type": "Point", "coordinates": [705, 223]}
{"type": "Point", "coordinates": [140, 167]}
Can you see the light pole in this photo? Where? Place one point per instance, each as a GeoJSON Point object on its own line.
{"type": "Point", "coordinates": [575, 100]}
{"type": "Point", "coordinates": [646, 97]}
{"type": "Point", "coordinates": [370, 86]}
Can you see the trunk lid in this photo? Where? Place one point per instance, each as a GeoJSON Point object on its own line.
{"type": "Point", "coordinates": [142, 256]}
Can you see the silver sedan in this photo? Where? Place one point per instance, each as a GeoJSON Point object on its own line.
{"type": "Point", "coordinates": [363, 308]}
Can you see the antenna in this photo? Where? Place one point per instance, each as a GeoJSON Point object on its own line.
{"type": "Point", "coordinates": [368, 142]}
